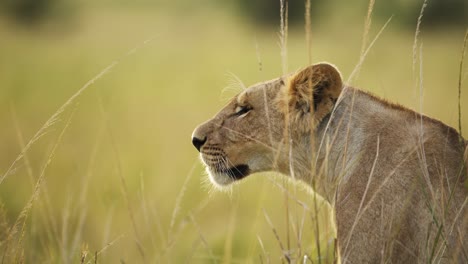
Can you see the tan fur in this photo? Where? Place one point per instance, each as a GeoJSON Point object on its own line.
{"type": "Point", "coordinates": [328, 85]}
{"type": "Point", "coordinates": [394, 177]}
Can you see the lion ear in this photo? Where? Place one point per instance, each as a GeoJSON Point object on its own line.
{"type": "Point", "coordinates": [314, 90]}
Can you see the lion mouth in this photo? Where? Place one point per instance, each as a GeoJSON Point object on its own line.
{"type": "Point", "coordinates": [222, 175]}
{"type": "Point", "coordinates": [237, 172]}
{"type": "Point", "coordinates": [221, 170]}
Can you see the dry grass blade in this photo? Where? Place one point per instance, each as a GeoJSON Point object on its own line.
{"type": "Point", "coordinates": [416, 35]}
{"type": "Point", "coordinates": [284, 34]}
{"type": "Point", "coordinates": [102, 250]}
{"type": "Point", "coordinates": [151, 218]}
{"type": "Point", "coordinates": [84, 253]}
{"type": "Point", "coordinates": [227, 258]}
{"type": "Point", "coordinates": [285, 253]}
{"type": "Point", "coordinates": [367, 26]}
{"type": "Point", "coordinates": [261, 194]}
{"type": "Point", "coordinates": [286, 215]}
{"type": "Point", "coordinates": [179, 198]}
{"type": "Point", "coordinates": [123, 182]}
{"type": "Point", "coordinates": [317, 229]}
{"type": "Point", "coordinates": [460, 80]}
{"type": "Point", "coordinates": [462, 247]}
{"type": "Point", "coordinates": [363, 56]}
{"type": "Point", "coordinates": [182, 224]}
{"type": "Point", "coordinates": [308, 31]}
{"type": "Point", "coordinates": [202, 238]}
{"type": "Point", "coordinates": [260, 242]}
{"type": "Point", "coordinates": [359, 213]}
{"type": "Point", "coordinates": [307, 259]}
{"type": "Point", "coordinates": [284, 63]}
{"type": "Point", "coordinates": [300, 231]}
{"type": "Point", "coordinates": [30, 173]}
{"type": "Point", "coordinates": [22, 144]}
{"type": "Point", "coordinates": [195, 246]}
{"type": "Point", "coordinates": [422, 152]}
{"type": "Point", "coordinates": [81, 206]}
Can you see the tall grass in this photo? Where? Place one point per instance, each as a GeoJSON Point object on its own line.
{"type": "Point", "coordinates": [115, 209]}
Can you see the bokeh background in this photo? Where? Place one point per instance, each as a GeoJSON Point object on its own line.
{"type": "Point", "coordinates": [113, 176]}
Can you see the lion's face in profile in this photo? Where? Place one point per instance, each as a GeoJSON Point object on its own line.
{"type": "Point", "coordinates": [250, 134]}
{"type": "Point", "coordinates": [241, 138]}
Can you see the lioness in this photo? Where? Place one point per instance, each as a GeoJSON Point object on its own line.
{"type": "Point", "coordinates": [395, 177]}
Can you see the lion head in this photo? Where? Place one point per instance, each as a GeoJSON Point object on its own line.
{"type": "Point", "coordinates": [254, 131]}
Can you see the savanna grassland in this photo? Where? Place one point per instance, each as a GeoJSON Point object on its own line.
{"type": "Point", "coordinates": [114, 177]}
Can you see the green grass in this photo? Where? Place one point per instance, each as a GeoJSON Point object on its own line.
{"type": "Point", "coordinates": [136, 121]}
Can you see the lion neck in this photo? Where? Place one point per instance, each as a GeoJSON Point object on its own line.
{"type": "Point", "coordinates": [324, 158]}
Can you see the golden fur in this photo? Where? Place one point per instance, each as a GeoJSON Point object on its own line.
{"type": "Point", "coordinates": [395, 177]}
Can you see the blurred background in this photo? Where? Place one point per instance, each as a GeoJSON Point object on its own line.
{"type": "Point", "coordinates": [108, 174]}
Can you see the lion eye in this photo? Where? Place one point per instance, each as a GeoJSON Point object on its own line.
{"type": "Point", "coordinates": [241, 110]}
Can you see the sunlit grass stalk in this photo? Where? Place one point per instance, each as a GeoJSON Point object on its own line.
{"type": "Point", "coordinates": [308, 31]}
{"type": "Point", "coordinates": [22, 144]}
{"type": "Point", "coordinates": [102, 250]}
{"type": "Point", "coordinates": [159, 226]}
{"type": "Point", "coordinates": [227, 257]}
{"type": "Point", "coordinates": [29, 171]}
{"type": "Point", "coordinates": [146, 211]}
{"type": "Point", "coordinates": [260, 242]}
{"type": "Point", "coordinates": [21, 219]}
{"type": "Point", "coordinates": [416, 35]}
{"type": "Point", "coordinates": [287, 222]}
{"type": "Point", "coordinates": [284, 252]}
{"type": "Point", "coordinates": [81, 207]}
{"type": "Point", "coordinates": [202, 238]}
{"type": "Point", "coordinates": [364, 55]}
{"type": "Point", "coordinates": [317, 228]}
{"type": "Point", "coordinates": [284, 63]}
{"type": "Point", "coordinates": [261, 198]}
{"type": "Point", "coordinates": [64, 236]}
{"type": "Point", "coordinates": [367, 26]}
{"type": "Point", "coordinates": [182, 224]}
{"type": "Point", "coordinates": [359, 214]}
{"type": "Point", "coordinates": [284, 35]}
{"type": "Point", "coordinates": [123, 183]}
{"type": "Point", "coordinates": [300, 232]}
{"type": "Point", "coordinates": [178, 202]}
{"type": "Point", "coordinates": [460, 81]}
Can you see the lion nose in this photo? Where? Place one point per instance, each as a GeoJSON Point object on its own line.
{"type": "Point", "coordinates": [198, 143]}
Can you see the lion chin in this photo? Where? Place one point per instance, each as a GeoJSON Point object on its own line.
{"type": "Point", "coordinates": [225, 177]}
